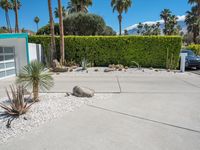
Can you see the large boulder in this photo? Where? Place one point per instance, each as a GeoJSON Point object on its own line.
{"type": "Point", "coordinates": [83, 92]}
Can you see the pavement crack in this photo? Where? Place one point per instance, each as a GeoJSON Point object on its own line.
{"type": "Point", "coordinates": [120, 89]}
{"type": "Point", "coordinates": [145, 119]}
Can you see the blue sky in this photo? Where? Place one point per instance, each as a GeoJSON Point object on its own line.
{"type": "Point", "coordinates": [141, 10]}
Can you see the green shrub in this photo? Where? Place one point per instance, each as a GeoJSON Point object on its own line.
{"type": "Point", "coordinates": [148, 51]}
{"type": "Point", "coordinates": [195, 48]}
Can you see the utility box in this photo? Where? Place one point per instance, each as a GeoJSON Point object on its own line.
{"type": "Point", "coordinates": [183, 60]}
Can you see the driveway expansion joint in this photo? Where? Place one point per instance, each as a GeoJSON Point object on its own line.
{"type": "Point", "coordinates": [145, 119]}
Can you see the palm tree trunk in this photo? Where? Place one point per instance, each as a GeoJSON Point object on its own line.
{"type": "Point", "coordinates": [37, 27]}
{"type": "Point", "coordinates": [16, 17]}
{"type": "Point", "coordinates": [8, 21]}
{"type": "Point", "coordinates": [82, 7]}
{"type": "Point", "coordinates": [36, 92]}
{"type": "Point", "coordinates": [53, 43]}
{"type": "Point", "coordinates": [62, 46]}
{"type": "Point", "coordinates": [120, 24]}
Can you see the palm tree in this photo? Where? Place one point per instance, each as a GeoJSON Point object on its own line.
{"type": "Point", "coordinates": [165, 14]}
{"type": "Point", "coordinates": [120, 6]}
{"type": "Point", "coordinates": [75, 6]}
{"type": "Point", "coordinates": [197, 3]}
{"type": "Point", "coordinates": [85, 3]}
{"type": "Point", "coordinates": [62, 42]}
{"type": "Point", "coordinates": [196, 8]}
{"type": "Point", "coordinates": [53, 43]}
{"type": "Point", "coordinates": [192, 24]}
{"type": "Point", "coordinates": [56, 12]}
{"type": "Point", "coordinates": [139, 28]}
{"type": "Point", "coordinates": [6, 6]}
{"type": "Point", "coordinates": [37, 20]}
{"type": "Point", "coordinates": [34, 76]}
{"type": "Point", "coordinates": [16, 6]}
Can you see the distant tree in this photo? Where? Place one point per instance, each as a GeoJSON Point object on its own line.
{"type": "Point", "coordinates": [170, 22]}
{"type": "Point", "coordinates": [16, 4]}
{"type": "Point", "coordinates": [4, 30]}
{"type": "Point", "coordinates": [125, 32]}
{"type": "Point", "coordinates": [139, 28]}
{"type": "Point", "coordinates": [23, 30]}
{"type": "Point", "coordinates": [149, 29]}
{"type": "Point", "coordinates": [121, 6]}
{"type": "Point", "coordinates": [172, 25]}
{"type": "Point", "coordinates": [191, 21]}
{"type": "Point", "coordinates": [64, 12]}
{"type": "Point", "coordinates": [108, 31]}
{"type": "Point", "coordinates": [165, 14]}
{"type": "Point", "coordinates": [46, 30]}
{"type": "Point", "coordinates": [37, 20]}
{"type": "Point", "coordinates": [6, 6]}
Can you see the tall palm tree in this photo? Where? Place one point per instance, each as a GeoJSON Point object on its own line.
{"type": "Point", "coordinates": [196, 8]}
{"type": "Point", "coordinates": [192, 24]}
{"type": "Point", "coordinates": [165, 14]}
{"type": "Point", "coordinates": [53, 43]}
{"type": "Point", "coordinates": [75, 6]}
{"type": "Point", "coordinates": [120, 6]}
{"type": "Point", "coordinates": [56, 12]}
{"type": "Point", "coordinates": [197, 3]}
{"type": "Point", "coordinates": [84, 3]}
{"type": "Point", "coordinates": [37, 20]}
{"type": "Point", "coordinates": [62, 42]}
{"type": "Point", "coordinates": [16, 6]}
{"type": "Point", "coordinates": [35, 77]}
{"type": "Point", "coordinates": [6, 6]}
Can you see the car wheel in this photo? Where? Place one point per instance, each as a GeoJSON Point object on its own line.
{"type": "Point", "coordinates": [186, 64]}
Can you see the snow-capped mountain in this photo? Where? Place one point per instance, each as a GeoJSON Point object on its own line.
{"type": "Point", "coordinates": [181, 21]}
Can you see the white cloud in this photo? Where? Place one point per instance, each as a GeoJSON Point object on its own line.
{"type": "Point", "coordinates": [180, 18]}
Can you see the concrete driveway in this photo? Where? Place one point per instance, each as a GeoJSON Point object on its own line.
{"type": "Point", "coordinates": [147, 111]}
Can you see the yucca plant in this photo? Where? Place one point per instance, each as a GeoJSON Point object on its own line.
{"type": "Point", "coordinates": [35, 76]}
{"type": "Point", "coordinates": [18, 105]}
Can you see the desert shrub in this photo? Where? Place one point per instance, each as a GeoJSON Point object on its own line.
{"type": "Point", "coordinates": [148, 51]}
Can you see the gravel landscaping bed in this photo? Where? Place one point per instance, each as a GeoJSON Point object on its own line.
{"type": "Point", "coordinates": [51, 106]}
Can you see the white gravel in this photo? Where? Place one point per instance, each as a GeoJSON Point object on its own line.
{"type": "Point", "coordinates": [51, 106]}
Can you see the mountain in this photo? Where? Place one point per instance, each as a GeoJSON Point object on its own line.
{"type": "Point", "coordinates": [181, 21]}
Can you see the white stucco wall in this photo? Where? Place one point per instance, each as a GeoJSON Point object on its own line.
{"type": "Point", "coordinates": [35, 52]}
{"type": "Point", "coordinates": [19, 45]}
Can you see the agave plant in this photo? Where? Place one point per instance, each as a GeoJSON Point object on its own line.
{"type": "Point", "coordinates": [35, 76]}
{"type": "Point", "coordinates": [18, 106]}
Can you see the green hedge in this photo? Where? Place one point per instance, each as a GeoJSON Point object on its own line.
{"type": "Point", "coordinates": [195, 48]}
{"type": "Point", "coordinates": [148, 51]}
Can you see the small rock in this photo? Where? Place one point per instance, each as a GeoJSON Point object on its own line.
{"type": "Point", "coordinates": [83, 92]}
{"type": "Point", "coordinates": [96, 70]}
{"type": "Point", "coordinates": [126, 67]}
{"type": "Point", "coordinates": [109, 70]}
{"type": "Point", "coordinates": [168, 70]}
{"type": "Point", "coordinates": [71, 70]}
{"type": "Point", "coordinates": [120, 69]}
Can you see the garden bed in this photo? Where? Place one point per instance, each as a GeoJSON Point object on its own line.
{"type": "Point", "coordinates": [51, 106]}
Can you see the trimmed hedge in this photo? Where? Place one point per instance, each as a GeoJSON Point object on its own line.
{"type": "Point", "coordinates": [195, 48]}
{"type": "Point", "coordinates": [148, 51]}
